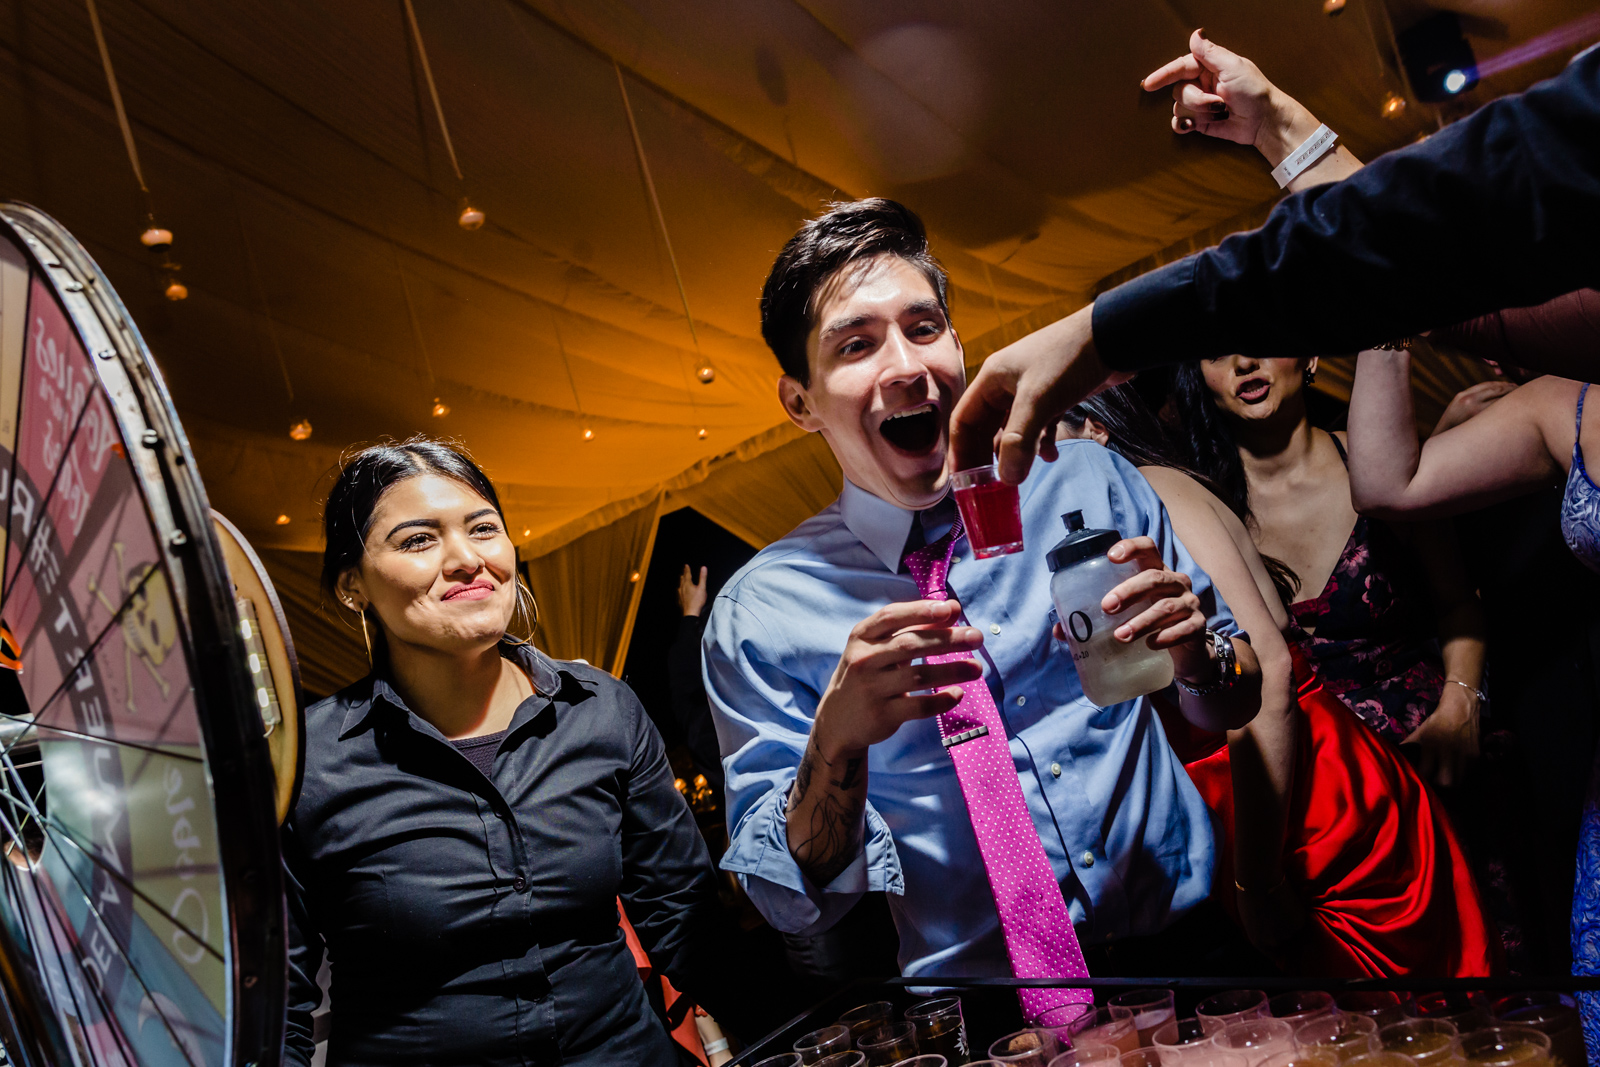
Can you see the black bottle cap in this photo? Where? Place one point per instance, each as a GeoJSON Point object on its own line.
{"type": "Point", "coordinates": [1079, 544]}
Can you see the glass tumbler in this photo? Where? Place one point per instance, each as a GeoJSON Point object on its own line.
{"type": "Point", "coordinates": [1553, 1014]}
{"type": "Point", "coordinates": [888, 1044]}
{"type": "Point", "coordinates": [1086, 1052]}
{"type": "Point", "coordinates": [1466, 1011]}
{"type": "Point", "coordinates": [1300, 1006]}
{"type": "Point", "coordinates": [865, 1017]}
{"type": "Point", "coordinates": [1504, 1046]}
{"type": "Point", "coordinates": [1182, 1037]}
{"type": "Point", "coordinates": [1380, 1005]}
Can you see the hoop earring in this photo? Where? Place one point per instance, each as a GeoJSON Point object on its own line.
{"type": "Point", "coordinates": [366, 638]}
{"type": "Point", "coordinates": [523, 608]}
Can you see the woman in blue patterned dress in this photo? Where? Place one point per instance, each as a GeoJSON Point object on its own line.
{"type": "Point", "coordinates": [1522, 440]}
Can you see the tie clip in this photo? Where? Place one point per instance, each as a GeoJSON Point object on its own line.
{"type": "Point", "coordinates": [965, 735]}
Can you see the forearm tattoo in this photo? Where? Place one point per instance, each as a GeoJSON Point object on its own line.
{"type": "Point", "coordinates": [826, 808]}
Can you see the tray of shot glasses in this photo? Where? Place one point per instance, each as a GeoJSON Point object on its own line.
{"type": "Point", "coordinates": [1269, 1022]}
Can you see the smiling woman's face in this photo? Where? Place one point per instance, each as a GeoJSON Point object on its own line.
{"type": "Point", "coordinates": [1253, 389]}
{"type": "Point", "coordinates": [438, 568]}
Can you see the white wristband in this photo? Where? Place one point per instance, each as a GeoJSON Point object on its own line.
{"type": "Point", "coordinates": [1297, 162]}
{"type": "Point", "coordinates": [719, 1045]}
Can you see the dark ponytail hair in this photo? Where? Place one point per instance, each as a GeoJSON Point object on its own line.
{"type": "Point", "coordinates": [1135, 432]}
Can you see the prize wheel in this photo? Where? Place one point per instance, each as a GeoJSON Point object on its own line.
{"type": "Point", "coordinates": [141, 897]}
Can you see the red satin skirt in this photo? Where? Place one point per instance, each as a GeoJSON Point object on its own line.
{"type": "Point", "coordinates": [1370, 851]}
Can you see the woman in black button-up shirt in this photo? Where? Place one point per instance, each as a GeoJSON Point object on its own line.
{"type": "Point", "coordinates": [470, 916]}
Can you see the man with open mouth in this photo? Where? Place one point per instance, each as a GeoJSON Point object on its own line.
{"type": "Point", "coordinates": [834, 681]}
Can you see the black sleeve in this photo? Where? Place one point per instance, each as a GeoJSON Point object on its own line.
{"type": "Point", "coordinates": [669, 885]}
{"type": "Point", "coordinates": [305, 956]}
{"type": "Point", "coordinates": [1501, 209]}
{"type": "Point", "coordinates": [683, 671]}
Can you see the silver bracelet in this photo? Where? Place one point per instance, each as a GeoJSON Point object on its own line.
{"type": "Point", "coordinates": [1483, 698]}
{"type": "Point", "coordinates": [1228, 669]}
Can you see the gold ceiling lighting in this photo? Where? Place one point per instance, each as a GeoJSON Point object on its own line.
{"type": "Point", "coordinates": [588, 434]}
{"type": "Point", "coordinates": [702, 433]}
{"type": "Point", "coordinates": [282, 520]}
{"type": "Point", "coordinates": [470, 218]}
{"type": "Point", "coordinates": [440, 408]}
{"type": "Point", "coordinates": [300, 430]}
{"type": "Point", "coordinates": [1393, 105]}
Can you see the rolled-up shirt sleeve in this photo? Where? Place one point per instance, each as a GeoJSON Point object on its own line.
{"type": "Point", "coordinates": [763, 717]}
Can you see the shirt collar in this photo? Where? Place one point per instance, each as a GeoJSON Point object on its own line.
{"type": "Point", "coordinates": [548, 681]}
{"type": "Point", "coordinates": [883, 527]}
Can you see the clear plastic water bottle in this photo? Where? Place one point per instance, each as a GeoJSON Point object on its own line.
{"type": "Point", "coordinates": [1109, 670]}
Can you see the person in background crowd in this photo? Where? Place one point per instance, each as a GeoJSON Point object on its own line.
{"type": "Point", "coordinates": [472, 810]}
{"type": "Point", "coordinates": [1499, 209]}
{"type": "Point", "coordinates": [686, 685]}
{"type": "Point", "coordinates": [1384, 611]}
{"type": "Point", "coordinates": [1522, 442]}
{"type": "Point", "coordinates": [814, 660]}
{"type": "Point", "coordinates": [1343, 863]}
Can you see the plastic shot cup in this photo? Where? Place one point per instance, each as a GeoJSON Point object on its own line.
{"type": "Point", "coordinates": [1217, 1012]}
{"type": "Point", "coordinates": [1152, 1009]}
{"type": "Point", "coordinates": [1144, 1057]}
{"type": "Point", "coordinates": [1302, 1057]}
{"type": "Point", "coordinates": [888, 1044]}
{"type": "Point", "coordinates": [929, 1060]}
{"type": "Point", "coordinates": [1343, 1035]}
{"type": "Point", "coordinates": [1380, 1059]}
{"type": "Point", "coordinates": [939, 1027]}
{"type": "Point", "coordinates": [786, 1059]}
{"type": "Point", "coordinates": [1553, 1014]}
{"type": "Point", "coordinates": [1256, 1039]}
{"type": "Point", "coordinates": [867, 1017]}
{"type": "Point", "coordinates": [1300, 1006]}
{"type": "Point", "coordinates": [1086, 1052]}
{"type": "Point", "coordinates": [1065, 1021]}
{"type": "Point", "coordinates": [817, 1044]}
{"type": "Point", "coordinates": [1182, 1038]}
{"type": "Point", "coordinates": [1424, 1041]}
{"type": "Point", "coordinates": [1506, 1046]}
{"type": "Point", "coordinates": [1380, 1005]}
{"type": "Point", "coordinates": [1026, 1048]}
{"type": "Point", "coordinates": [991, 511]}
{"type": "Point", "coordinates": [1466, 1011]}
{"type": "Point", "coordinates": [849, 1058]}
{"type": "Point", "coordinates": [1110, 1025]}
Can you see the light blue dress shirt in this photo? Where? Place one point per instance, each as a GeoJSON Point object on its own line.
{"type": "Point", "coordinates": [1125, 830]}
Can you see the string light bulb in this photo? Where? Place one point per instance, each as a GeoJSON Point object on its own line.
{"type": "Point", "coordinates": [588, 434]}
{"type": "Point", "coordinates": [470, 218]}
{"type": "Point", "coordinates": [300, 430]}
{"type": "Point", "coordinates": [1332, 7]}
{"type": "Point", "coordinates": [156, 239]}
{"type": "Point", "coordinates": [175, 290]}
{"type": "Point", "coordinates": [1393, 105]}
{"type": "Point", "coordinates": [282, 520]}
{"type": "Point", "coordinates": [702, 433]}
{"type": "Point", "coordinates": [440, 408]}
{"type": "Point", "coordinates": [634, 577]}
{"type": "Point", "coordinates": [527, 531]}
{"type": "Point", "coordinates": [705, 372]}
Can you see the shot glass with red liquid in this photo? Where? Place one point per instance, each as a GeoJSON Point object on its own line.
{"type": "Point", "coordinates": [990, 510]}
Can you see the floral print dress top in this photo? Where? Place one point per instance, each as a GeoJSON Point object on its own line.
{"type": "Point", "coordinates": [1371, 632]}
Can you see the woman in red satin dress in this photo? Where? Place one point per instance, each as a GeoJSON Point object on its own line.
{"type": "Point", "coordinates": [1338, 859]}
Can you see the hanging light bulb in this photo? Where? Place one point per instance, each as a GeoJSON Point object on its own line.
{"type": "Point", "coordinates": [282, 520]}
{"type": "Point", "coordinates": [175, 290]}
{"type": "Point", "coordinates": [702, 433]}
{"type": "Point", "coordinates": [527, 531]}
{"type": "Point", "coordinates": [634, 577]}
{"type": "Point", "coordinates": [1393, 105]}
{"type": "Point", "coordinates": [588, 434]}
{"type": "Point", "coordinates": [300, 430]}
{"type": "Point", "coordinates": [1332, 7]}
{"type": "Point", "coordinates": [155, 238]}
{"type": "Point", "coordinates": [705, 372]}
{"type": "Point", "coordinates": [470, 218]}
{"type": "Point", "coordinates": [440, 408]}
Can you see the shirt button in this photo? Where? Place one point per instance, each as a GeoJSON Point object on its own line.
{"type": "Point", "coordinates": [1021, 701]}
{"type": "Point", "coordinates": [994, 628]}
{"type": "Point", "coordinates": [1055, 769]}
{"type": "Point", "coordinates": [520, 883]}
{"type": "Point", "coordinates": [1087, 859]}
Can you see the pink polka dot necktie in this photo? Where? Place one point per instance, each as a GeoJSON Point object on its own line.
{"type": "Point", "coordinates": [1033, 914]}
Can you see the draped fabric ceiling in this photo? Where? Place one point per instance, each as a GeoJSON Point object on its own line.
{"type": "Point", "coordinates": [293, 149]}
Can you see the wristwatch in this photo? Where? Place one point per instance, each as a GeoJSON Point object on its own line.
{"type": "Point", "coordinates": [1228, 669]}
